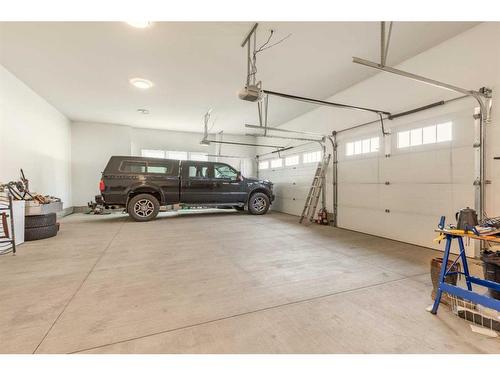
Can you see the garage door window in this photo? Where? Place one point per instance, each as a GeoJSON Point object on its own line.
{"type": "Point", "coordinates": [443, 132]}
{"type": "Point", "coordinates": [291, 160]}
{"type": "Point", "coordinates": [276, 163]}
{"type": "Point", "coordinates": [264, 165]}
{"type": "Point", "coordinates": [426, 135]}
{"type": "Point", "coordinates": [198, 156]}
{"type": "Point", "coordinates": [311, 157]}
{"type": "Point", "coordinates": [176, 155]}
{"type": "Point", "coordinates": [153, 154]}
{"type": "Point", "coordinates": [364, 146]}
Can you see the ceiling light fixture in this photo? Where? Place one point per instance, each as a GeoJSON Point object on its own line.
{"type": "Point", "coordinates": [143, 111]}
{"type": "Point", "coordinates": [141, 83]}
{"type": "Point", "coordinates": [140, 24]}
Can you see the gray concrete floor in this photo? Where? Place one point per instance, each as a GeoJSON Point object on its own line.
{"type": "Point", "coordinates": [224, 282]}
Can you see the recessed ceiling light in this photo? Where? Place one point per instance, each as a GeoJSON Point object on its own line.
{"type": "Point", "coordinates": [141, 83]}
{"type": "Point", "coordinates": [143, 111]}
{"type": "Point", "coordinates": [140, 24]}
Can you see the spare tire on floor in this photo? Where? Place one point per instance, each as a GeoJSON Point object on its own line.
{"type": "Point", "coordinates": [36, 221]}
{"type": "Point", "coordinates": [39, 233]}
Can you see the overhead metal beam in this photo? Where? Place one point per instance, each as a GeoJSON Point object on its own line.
{"type": "Point", "coordinates": [384, 42]}
{"type": "Point", "coordinates": [208, 141]}
{"type": "Point", "coordinates": [283, 130]}
{"type": "Point", "coordinates": [282, 150]}
{"type": "Point", "coordinates": [324, 102]}
{"type": "Point", "coordinates": [290, 138]}
{"type": "Point", "coordinates": [227, 156]}
{"type": "Point", "coordinates": [415, 77]}
{"type": "Point", "coordinates": [415, 110]}
{"type": "Point", "coordinates": [286, 148]}
{"type": "Point", "coordinates": [405, 113]}
{"type": "Point", "coordinates": [249, 34]}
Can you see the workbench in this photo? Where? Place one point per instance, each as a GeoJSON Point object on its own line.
{"type": "Point", "coordinates": [468, 294]}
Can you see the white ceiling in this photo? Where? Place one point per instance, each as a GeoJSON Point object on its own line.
{"type": "Point", "coordinates": [83, 68]}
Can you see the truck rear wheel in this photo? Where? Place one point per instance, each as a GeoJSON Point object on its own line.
{"type": "Point", "coordinates": [258, 204]}
{"type": "Point", "coordinates": [143, 207]}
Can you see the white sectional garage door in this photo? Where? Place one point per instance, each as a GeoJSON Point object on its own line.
{"type": "Point", "coordinates": [291, 183]}
{"type": "Point", "coordinates": [403, 196]}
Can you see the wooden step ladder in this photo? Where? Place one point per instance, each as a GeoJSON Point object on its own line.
{"type": "Point", "coordinates": [315, 190]}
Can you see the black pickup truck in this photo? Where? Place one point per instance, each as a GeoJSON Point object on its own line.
{"type": "Point", "coordinates": [142, 185]}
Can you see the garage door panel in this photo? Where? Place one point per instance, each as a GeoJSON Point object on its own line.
{"type": "Point", "coordinates": [424, 182]}
{"type": "Point", "coordinates": [359, 170]}
{"type": "Point", "coordinates": [413, 228]}
{"type": "Point", "coordinates": [463, 196]}
{"type": "Point", "coordinates": [359, 195]}
{"type": "Point", "coordinates": [291, 190]}
{"type": "Point", "coordinates": [288, 205]}
{"type": "Point", "coordinates": [362, 220]}
{"type": "Point", "coordinates": [419, 230]}
{"type": "Point", "coordinates": [429, 199]}
{"type": "Point", "coordinates": [462, 160]}
{"type": "Point", "coordinates": [463, 129]}
{"type": "Point", "coordinates": [433, 166]}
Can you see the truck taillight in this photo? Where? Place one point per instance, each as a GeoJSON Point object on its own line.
{"type": "Point", "coordinates": [101, 186]}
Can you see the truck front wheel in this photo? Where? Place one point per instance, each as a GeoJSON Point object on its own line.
{"type": "Point", "coordinates": [143, 207]}
{"type": "Point", "coordinates": [258, 204]}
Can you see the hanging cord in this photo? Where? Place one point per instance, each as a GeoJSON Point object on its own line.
{"type": "Point", "coordinates": [263, 47]}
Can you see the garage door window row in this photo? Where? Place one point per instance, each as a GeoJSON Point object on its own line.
{"type": "Point", "coordinates": [425, 135]}
{"type": "Point", "coordinates": [364, 146]}
{"type": "Point", "coordinates": [291, 160]}
{"type": "Point", "coordinates": [176, 155]}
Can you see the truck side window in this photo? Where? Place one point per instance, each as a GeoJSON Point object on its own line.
{"type": "Point", "coordinates": [154, 167]}
{"type": "Point", "coordinates": [200, 171]}
{"type": "Point", "coordinates": [133, 167]}
{"type": "Point", "coordinates": [224, 171]}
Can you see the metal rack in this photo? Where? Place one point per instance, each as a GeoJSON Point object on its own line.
{"type": "Point", "coordinates": [7, 240]}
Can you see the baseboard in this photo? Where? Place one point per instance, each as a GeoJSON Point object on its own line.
{"type": "Point", "coordinates": [65, 212]}
{"type": "Point", "coordinates": [80, 209]}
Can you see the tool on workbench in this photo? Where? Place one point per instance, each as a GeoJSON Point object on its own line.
{"type": "Point", "coordinates": [466, 217]}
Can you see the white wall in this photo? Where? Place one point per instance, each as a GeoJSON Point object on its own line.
{"type": "Point", "coordinates": [94, 143]}
{"type": "Point", "coordinates": [33, 136]}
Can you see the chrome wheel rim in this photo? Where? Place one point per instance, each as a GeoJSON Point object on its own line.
{"type": "Point", "coordinates": [144, 208]}
{"type": "Point", "coordinates": [259, 204]}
